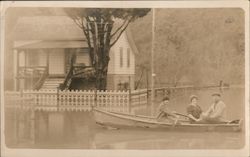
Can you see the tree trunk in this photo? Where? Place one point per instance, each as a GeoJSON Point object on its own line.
{"type": "Point", "coordinates": [101, 80]}
{"type": "Point", "coordinates": [101, 42]}
{"type": "Point", "coordinates": [102, 69]}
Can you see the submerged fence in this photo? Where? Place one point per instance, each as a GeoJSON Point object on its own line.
{"type": "Point", "coordinates": [76, 100]}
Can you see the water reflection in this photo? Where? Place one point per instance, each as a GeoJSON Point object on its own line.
{"type": "Point", "coordinates": [125, 139]}
{"type": "Point", "coordinates": [78, 129]}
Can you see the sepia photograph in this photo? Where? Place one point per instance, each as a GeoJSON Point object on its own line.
{"type": "Point", "coordinates": [111, 77]}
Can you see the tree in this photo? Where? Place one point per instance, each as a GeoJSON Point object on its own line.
{"type": "Point", "coordinates": [97, 25]}
{"type": "Point", "coordinates": [204, 45]}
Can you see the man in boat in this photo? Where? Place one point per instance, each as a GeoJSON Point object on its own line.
{"type": "Point", "coordinates": [194, 110]}
{"type": "Point", "coordinates": [215, 113]}
{"type": "Point", "coordinates": [164, 111]}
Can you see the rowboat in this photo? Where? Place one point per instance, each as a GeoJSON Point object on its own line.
{"type": "Point", "coordinates": [128, 121]}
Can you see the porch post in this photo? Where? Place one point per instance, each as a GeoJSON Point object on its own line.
{"type": "Point", "coordinates": [25, 58]}
{"type": "Point", "coordinates": [16, 69]}
{"type": "Point", "coordinates": [25, 70]}
{"type": "Point", "coordinates": [47, 60]}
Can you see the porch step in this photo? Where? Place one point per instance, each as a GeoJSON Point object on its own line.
{"type": "Point", "coordinates": [52, 83]}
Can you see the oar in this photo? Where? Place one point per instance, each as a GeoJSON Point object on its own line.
{"type": "Point", "coordinates": [236, 121]}
{"type": "Point", "coordinates": [228, 122]}
{"type": "Point", "coordinates": [158, 116]}
{"type": "Point", "coordinates": [180, 114]}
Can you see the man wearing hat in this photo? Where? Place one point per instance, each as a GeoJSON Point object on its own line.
{"type": "Point", "coordinates": [215, 113]}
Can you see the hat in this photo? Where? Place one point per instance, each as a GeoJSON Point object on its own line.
{"type": "Point", "coordinates": [165, 98]}
{"type": "Point", "coordinates": [216, 94]}
{"type": "Point", "coordinates": [193, 97]}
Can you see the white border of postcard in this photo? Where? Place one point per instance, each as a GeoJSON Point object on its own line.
{"type": "Point", "coordinates": [7, 152]}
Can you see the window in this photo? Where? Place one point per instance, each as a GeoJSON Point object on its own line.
{"type": "Point", "coordinates": [32, 58]}
{"type": "Point", "coordinates": [121, 56]}
{"type": "Point", "coordinates": [82, 57]}
{"type": "Point", "coordinates": [128, 57]}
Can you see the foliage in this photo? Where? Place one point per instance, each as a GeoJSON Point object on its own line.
{"type": "Point", "coordinates": [204, 45]}
{"type": "Point", "coordinates": [102, 28]}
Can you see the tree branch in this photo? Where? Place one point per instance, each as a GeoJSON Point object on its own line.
{"type": "Point", "coordinates": [124, 22]}
{"type": "Point", "coordinates": [86, 33]}
{"type": "Point", "coordinates": [78, 23]}
{"type": "Point", "coordinates": [112, 44]}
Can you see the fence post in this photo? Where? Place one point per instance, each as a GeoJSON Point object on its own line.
{"type": "Point", "coordinates": [18, 117]}
{"type": "Point", "coordinates": [37, 100]}
{"type": "Point", "coordinates": [32, 126]}
{"type": "Point", "coordinates": [57, 99]}
{"type": "Point", "coordinates": [129, 101]}
{"type": "Point", "coordinates": [95, 100]}
{"type": "Point", "coordinates": [129, 95]}
{"type": "Point", "coordinates": [16, 120]}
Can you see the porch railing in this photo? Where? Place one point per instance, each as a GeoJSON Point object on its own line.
{"type": "Point", "coordinates": [76, 71]}
{"type": "Point", "coordinates": [29, 71]}
{"type": "Point", "coordinates": [37, 75]}
{"type": "Point", "coordinates": [41, 79]}
{"type": "Point", "coordinates": [68, 79]}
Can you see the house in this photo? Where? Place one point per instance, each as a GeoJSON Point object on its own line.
{"type": "Point", "coordinates": [43, 46]}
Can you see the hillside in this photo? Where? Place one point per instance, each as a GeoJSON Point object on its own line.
{"type": "Point", "coordinates": [203, 45]}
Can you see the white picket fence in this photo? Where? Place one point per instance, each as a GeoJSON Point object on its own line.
{"type": "Point", "coordinates": [139, 98]}
{"type": "Point", "coordinates": [75, 100]}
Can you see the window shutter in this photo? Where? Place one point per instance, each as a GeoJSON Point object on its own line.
{"type": "Point", "coordinates": [121, 57]}
{"type": "Point", "coordinates": [128, 57]}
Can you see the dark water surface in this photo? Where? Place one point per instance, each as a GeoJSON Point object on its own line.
{"type": "Point", "coordinates": [78, 129]}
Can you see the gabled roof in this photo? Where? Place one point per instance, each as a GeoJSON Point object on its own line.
{"type": "Point", "coordinates": [131, 40]}
{"type": "Point", "coordinates": [52, 29]}
{"type": "Point", "coordinates": [54, 44]}
{"type": "Point", "coordinates": [46, 28]}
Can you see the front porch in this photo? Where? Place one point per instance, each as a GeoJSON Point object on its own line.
{"type": "Point", "coordinates": [34, 67]}
{"type": "Point", "coordinates": [36, 63]}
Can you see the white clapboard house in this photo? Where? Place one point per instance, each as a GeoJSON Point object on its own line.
{"type": "Point", "coordinates": [42, 49]}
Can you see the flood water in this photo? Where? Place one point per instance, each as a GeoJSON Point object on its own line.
{"type": "Point", "coordinates": [79, 131]}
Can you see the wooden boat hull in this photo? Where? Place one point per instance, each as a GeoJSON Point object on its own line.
{"type": "Point", "coordinates": [123, 121]}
